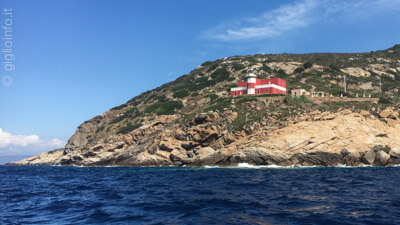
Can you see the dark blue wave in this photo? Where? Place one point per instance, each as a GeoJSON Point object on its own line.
{"type": "Point", "coordinates": [119, 195]}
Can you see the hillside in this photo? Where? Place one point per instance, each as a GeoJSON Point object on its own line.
{"type": "Point", "coordinates": [194, 121]}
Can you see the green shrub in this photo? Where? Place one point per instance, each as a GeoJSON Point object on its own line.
{"type": "Point", "coordinates": [266, 68]}
{"type": "Point", "coordinates": [292, 100]}
{"type": "Point", "coordinates": [252, 60]}
{"type": "Point", "coordinates": [307, 65]}
{"type": "Point", "coordinates": [128, 128]}
{"type": "Point", "coordinates": [231, 79]}
{"type": "Point", "coordinates": [304, 99]}
{"type": "Point", "coordinates": [334, 68]}
{"type": "Point", "coordinates": [128, 113]}
{"type": "Point", "coordinates": [196, 85]}
{"type": "Point", "coordinates": [119, 118]}
{"type": "Point", "coordinates": [213, 65]}
{"type": "Point", "coordinates": [269, 95]}
{"type": "Point", "coordinates": [161, 98]}
{"type": "Point", "coordinates": [239, 122]}
{"type": "Point", "coordinates": [194, 94]}
{"type": "Point", "coordinates": [384, 100]}
{"type": "Point", "coordinates": [164, 108]}
{"type": "Point", "coordinates": [119, 107]}
{"type": "Point", "coordinates": [244, 99]}
{"type": "Point", "coordinates": [212, 96]}
{"type": "Point", "coordinates": [281, 74]}
{"type": "Point", "coordinates": [206, 63]}
{"type": "Point", "coordinates": [181, 93]}
{"type": "Point", "coordinates": [219, 104]}
{"type": "Point", "coordinates": [237, 66]}
{"type": "Point", "coordinates": [220, 75]}
{"type": "Point", "coordinates": [299, 70]}
{"type": "Point", "coordinates": [100, 129]}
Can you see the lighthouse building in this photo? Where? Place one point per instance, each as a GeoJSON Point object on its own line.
{"type": "Point", "coordinates": [254, 86]}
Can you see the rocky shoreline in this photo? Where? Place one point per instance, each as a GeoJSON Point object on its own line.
{"type": "Point", "coordinates": [194, 120]}
{"type": "Point", "coordinates": [310, 139]}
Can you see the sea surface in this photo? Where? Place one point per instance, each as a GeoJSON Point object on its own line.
{"type": "Point", "coordinates": [243, 195]}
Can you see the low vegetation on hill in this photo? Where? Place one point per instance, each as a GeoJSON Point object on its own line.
{"type": "Point", "coordinates": [207, 87]}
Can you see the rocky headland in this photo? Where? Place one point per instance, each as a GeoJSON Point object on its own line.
{"type": "Point", "coordinates": [193, 121]}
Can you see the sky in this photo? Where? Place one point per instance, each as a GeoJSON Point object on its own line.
{"type": "Point", "coordinates": [71, 60]}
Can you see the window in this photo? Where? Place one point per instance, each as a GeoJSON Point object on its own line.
{"type": "Point", "coordinates": [235, 93]}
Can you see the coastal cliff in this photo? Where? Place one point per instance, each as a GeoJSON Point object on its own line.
{"type": "Point", "coordinates": [193, 121]}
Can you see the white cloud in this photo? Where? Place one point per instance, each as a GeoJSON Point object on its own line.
{"type": "Point", "coordinates": [7, 139]}
{"type": "Point", "coordinates": [10, 143]}
{"type": "Point", "coordinates": [297, 15]}
{"type": "Point", "coordinates": [56, 143]}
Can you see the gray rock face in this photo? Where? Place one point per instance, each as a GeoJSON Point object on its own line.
{"type": "Point", "coordinates": [395, 153]}
{"type": "Point", "coordinates": [393, 162]}
{"type": "Point", "coordinates": [352, 159]}
{"type": "Point", "coordinates": [377, 156]}
{"type": "Point", "coordinates": [83, 134]}
{"type": "Point", "coordinates": [317, 159]}
{"type": "Point", "coordinates": [368, 157]}
{"type": "Point", "coordinates": [378, 148]}
{"type": "Point", "coordinates": [366, 86]}
{"type": "Point", "coordinates": [381, 158]}
{"type": "Point", "coordinates": [344, 152]}
{"type": "Point", "coordinates": [262, 157]}
{"type": "Point", "coordinates": [205, 118]}
{"type": "Point", "coordinates": [208, 140]}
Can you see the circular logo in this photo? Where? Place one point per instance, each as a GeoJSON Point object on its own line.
{"type": "Point", "coordinates": [7, 80]}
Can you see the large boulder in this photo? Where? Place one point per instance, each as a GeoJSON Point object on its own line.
{"type": "Point", "coordinates": [344, 152]}
{"type": "Point", "coordinates": [378, 148]}
{"type": "Point", "coordinates": [395, 153]}
{"type": "Point", "coordinates": [392, 122]}
{"type": "Point", "coordinates": [368, 157]}
{"type": "Point", "coordinates": [381, 158]}
{"type": "Point", "coordinates": [389, 113]}
{"type": "Point", "coordinates": [366, 86]}
{"type": "Point", "coordinates": [263, 156]}
{"type": "Point", "coordinates": [393, 162]}
{"type": "Point", "coordinates": [352, 159]}
{"type": "Point", "coordinates": [377, 156]}
{"type": "Point", "coordinates": [205, 152]}
{"type": "Point", "coordinates": [178, 157]}
{"type": "Point", "coordinates": [206, 117]}
{"type": "Point", "coordinates": [317, 159]}
{"type": "Point", "coordinates": [180, 134]}
{"type": "Point", "coordinates": [356, 71]}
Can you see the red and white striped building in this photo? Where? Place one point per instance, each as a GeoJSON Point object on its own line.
{"type": "Point", "coordinates": [254, 86]}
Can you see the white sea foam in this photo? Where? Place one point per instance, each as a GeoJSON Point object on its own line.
{"type": "Point", "coordinates": [250, 166]}
{"type": "Point", "coordinates": [210, 167]}
{"type": "Point", "coordinates": [343, 166]}
{"type": "Point", "coordinates": [364, 165]}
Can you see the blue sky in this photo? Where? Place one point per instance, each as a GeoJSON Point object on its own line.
{"type": "Point", "coordinates": [75, 59]}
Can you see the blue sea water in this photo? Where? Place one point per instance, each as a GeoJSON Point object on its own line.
{"type": "Point", "coordinates": [122, 195]}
